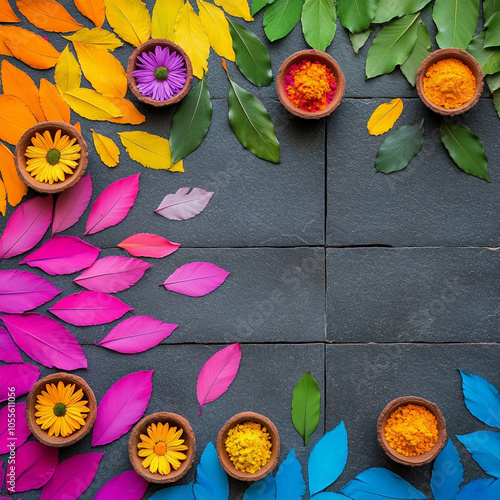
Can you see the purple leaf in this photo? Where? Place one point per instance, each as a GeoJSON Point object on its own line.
{"type": "Point", "coordinates": [72, 477]}
{"type": "Point", "coordinates": [71, 204]}
{"type": "Point", "coordinates": [126, 486]}
{"type": "Point", "coordinates": [63, 255]}
{"type": "Point", "coordinates": [196, 279]}
{"type": "Point", "coordinates": [184, 204]}
{"type": "Point", "coordinates": [8, 350]}
{"type": "Point", "coordinates": [112, 274]}
{"type": "Point", "coordinates": [21, 291]}
{"type": "Point", "coordinates": [35, 465]}
{"type": "Point", "coordinates": [26, 226]}
{"type": "Point", "coordinates": [113, 204]}
{"type": "Point", "coordinates": [22, 376]}
{"type": "Point", "coordinates": [148, 245]}
{"type": "Point", "coordinates": [13, 436]}
{"type": "Point", "coordinates": [122, 406]}
{"type": "Point", "coordinates": [137, 334]}
{"type": "Point", "coordinates": [45, 340]}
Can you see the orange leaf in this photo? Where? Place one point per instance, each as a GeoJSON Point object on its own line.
{"type": "Point", "coordinates": [130, 113]}
{"type": "Point", "coordinates": [15, 118]}
{"type": "Point", "coordinates": [4, 50]}
{"type": "Point", "coordinates": [78, 127]}
{"type": "Point", "coordinates": [17, 83]}
{"type": "Point", "coordinates": [7, 14]}
{"type": "Point", "coordinates": [3, 199]}
{"type": "Point", "coordinates": [52, 103]}
{"type": "Point", "coordinates": [15, 188]}
{"type": "Point", "coordinates": [48, 15]}
{"type": "Point", "coordinates": [95, 10]}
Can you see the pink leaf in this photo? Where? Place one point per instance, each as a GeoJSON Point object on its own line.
{"type": "Point", "coordinates": [89, 308]}
{"type": "Point", "coordinates": [126, 486]}
{"type": "Point", "coordinates": [196, 279]}
{"type": "Point", "coordinates": [26, 226]}
{"type": "Point", "coordinates": [35, 465]}
{"type": "Point", "coordinates": [113, 204]}
{"type": "Point", "coordinates": [13, 437]}
{"type": "Point", "coordinates": [148, 245]}
{"type": "Point", "coordinates": [45, 340]}
{"type": "Point", "coordinates": [8, 350]}
{"type": "Point", "coordinates": [112, 274]}
{"type": "Point", "coordinates": [137, 334]}
{"type": "Point", "coordinates": [122, 406]}
{"type": "Point", "coordinates": [184, 204]}
{"type": "Point", "coordinates": [63, 255]}
{"type": "Point", "coordinates": [217, 374]}
{"type": "Point", "coordinates": [2, 478]}
{"type": "Point", "coordinates": [71, 204]}
{"type": "Point", "coordinates": [72, 477]}
{"type": "Point", "coordinates": [21, 376]}
{"type": "Point", "coordinates": [21, 291]}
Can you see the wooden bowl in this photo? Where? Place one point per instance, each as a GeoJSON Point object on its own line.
{"type": "Point", "coordinates": [149, 46]}
{"type": "Point", "coordinates": [42, 435]}
{"type": "Point", "coordinates": [25, 141]}
{"type": "Point", "coordinates": [311, 55]}
{"type": "Point", "coordinates": [463, 57]}
{"type": "Point", "coordinates": [424, 458]}
{"type": "Point", "coordinates": [227, 465]}
{"type": "Point", "coordinates": [141, 428]}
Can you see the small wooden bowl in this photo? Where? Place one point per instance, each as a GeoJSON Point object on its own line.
{"type": "Point", "coordinates": [25, 141]}
{"type": "Point", "coordinates": [463, 57]}
{"type": "Point", "coordinates": [141, 428]}
{"type": "Point", "coordinates": [424, 458]}
{"type": "Point", "coordinates": [311, 55]}
{"type": "Point", "coordinates": [42, 435]}
{"type": "Point", "coordinates": [227, 465]}
{"type": "Point", "coordinates": [149, 46]}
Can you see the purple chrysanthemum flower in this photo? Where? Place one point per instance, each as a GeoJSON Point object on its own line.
{"type": "Point", "coordinates": [162, 74]}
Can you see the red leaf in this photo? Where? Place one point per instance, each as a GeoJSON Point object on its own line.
{"type": "Point", "coordinates": [8, 350]}
{"type": "Point", "coordinates": [35, 465]}
{"type": "Point", "coordinates": [148, 245]}
{"type": "Point", "coordinates": [21, 376]}
{"type": "Point", "coordinates": [21, 431]}
{"type": "Point", "coordinates": [126, 486]}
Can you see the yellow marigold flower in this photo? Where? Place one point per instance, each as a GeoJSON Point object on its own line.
{"type": "Point", "coordinates": [162, 449]}
{"type": "Point", "coordinates": [60, 409]}
{"type": "Point", "coordinates": [50, 160]}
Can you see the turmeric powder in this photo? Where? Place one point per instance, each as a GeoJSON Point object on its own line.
{"type": "Point", "coordinates": [449, 83]}
{"type": "Point", "coordinates": [411, 430]}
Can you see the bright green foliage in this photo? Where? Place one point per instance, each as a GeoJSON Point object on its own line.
{"type": "Point", "coordinates": [389, 9]}
{"type": "Point", "coordinates": [489, 59]}
{"type": "Point", "coordinates": [318, 23]}
{"type": "Point", "coordinates": [456, 21]}
{"type": "Point", "coordinates": [359, 39]}
{"type": "Point", "coordinates": [356, 15]}
{"type": "Point", "coordinates": [306, 406]}
{"type": "Point", "coordinates": [421, 50]}
{"type": "Point", "coordinates": [281, 17]}
{"type": "Point", "coordinates": [492, 38]}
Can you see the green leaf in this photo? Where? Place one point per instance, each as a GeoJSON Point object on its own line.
{"type": "Point", "coordinates": [421, 50]}
{"type": "Point", "coordinates": [306, 406]}
{"type": "Point", "coordinates": [389, 9]}
{"type": "Point", "coordinates": [456, 21]}
{"type": "Point", "coordinates": [493, 82]}
{"type": "Point", "coordinates": [465, 149]}
{"type": "Point", "coordinates": [356, 15]}
{"type": "Point", "coordinates": [490, 8]}
{"type": "Point", "coordinates": [281, 17]}
{"type": "Point", "coordinates": [318, 23]}
{"type": "Point", "coordinates": [492, 38]}
{"type": "Point", "coordinates": [496, 101]}
{"type": "Point", "coordinates": [258, 5]}
{"type": "Point", "coordinates": [399, 148]}
{"type": "Point", "coordinates": [392, 46]}
{"type": "Point", "coordinates": [359, 39]}
{"type": "Point", "coordinates": [252, 57]}
{"type": "Point", "coordinates": [489, 59]}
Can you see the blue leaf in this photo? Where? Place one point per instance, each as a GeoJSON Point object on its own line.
{"type": "Point", "coordinates": [329, 496]}
{"type": "Point", "coordinates": [480, 489]}
{"type": "Point", "coordinates": [290, 484]}
{"type": "Point", "coordinates": [380, 483]}
{"type": "Point", "coordinates": [265, 489]}
{"type": "Point", "coordinates": [183, 492]}
{"type": "Point", "coordinates": [481, 398]}
{"type": "Point", "coordinates": [447, 473]}
{"type": "Point", "coordinates": [327, 459]}
{"type": "Point", "coordinates": [485, 449]}
{"type": "Point", "coordinates": [211, 480]}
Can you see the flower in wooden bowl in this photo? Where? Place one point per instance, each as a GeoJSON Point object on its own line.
{"type": "Point", "coordinates": [162, 447]}
{"type": "Point", "coordinates": [449, 81]}
{"type": "Point", "coordinates": [159, 72]}
{"type": "Point", "coordinates": [310, 84]}
{"type": "Point", "coordinates": [411, 430]}
{"type": "Point", "coordinates": [248, 446]}
{"type": "Point", "coordinates": [60, 409]}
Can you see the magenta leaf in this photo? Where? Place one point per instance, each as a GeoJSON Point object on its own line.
{"type": "Point", "coordinates": [196, 279]}
{"type": "Point", "coordinates": [35, 465]}
{"type": "Point", "coordinates": [71, 204]}
{"type": "Point", "coordinates": [45, 340]}
{"type": "Point", "coordinates": [2, 474]}
{"type": "Point", "coordinates": [113, 204]}
{"type": "Point", "coordinates": [13, 436]}
{"type": "Point", "coordinates": [72, 477]}
{"type": "Point", "coordinates": [63, 255]}
{"type": "Point", "coordinates": [148, 245]}
{"type": "Point", "coordinates": [217, 374]}
{"type": "Point", "coordinates": [126, 486]}
{"type": "Point", "coordinates": [122, 406]}
{"type": "Point", "coordinates": [112, 274]}
{"type": "Point", "coordinates": [21, 376]}
{"type": "Point", "coordinates": [26, 226]}
{"type": "Point", "coordinates": [8, 350]}
{"type": "Point", "coordinates": [137, 334]}
{"type": "Point", "coordinates": [184, 204]}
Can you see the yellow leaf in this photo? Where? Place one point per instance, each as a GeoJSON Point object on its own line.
{"type": "Point", "coordinates": [149, 150]}
{"type": "Point", "coordinates": [96, 36]}
{"type": "Point", "coordinates": [15, 118]}
{"type": "Point", "coordinates": [236, 8]}
{"type": "Point", "coordinates": [384, 117]}
{"type": "Point", "coordinates": [68, 74]}
{"type": "Point", "coordinates": [14, 186]}
{"type": "Point", "coordinates": [3, 198]}
{"type": "Point", "coordinates": [53, 105]}
{"type": "Point", "coordinates": [129, 19]}
{"type": "Point", "coordinates": [130, 113]}
{"type": "Point", "coordinates": [106, 149]}
{"type": "Point", "coordinates": [6, 13]}
{"type": "Point", "coordinates": [163, 18]}
{"type": "Point", "coordinates": [48, 15]}
{"type": "Point", "coordinates": [102, 69]}
{"type": "Point", "coordinates": [95, 10]}
{"type": "Point", "coordinates": [91, 105]}
{"type": "Point", "coordinates": [192, 37]}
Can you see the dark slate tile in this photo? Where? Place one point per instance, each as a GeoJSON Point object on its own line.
{"type": "Point", "coordinates": [412, 295]}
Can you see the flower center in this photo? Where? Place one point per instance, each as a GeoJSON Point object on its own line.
{"type": "Point", "coordinates": [53, 157]}
{"type": "Point", "coordinates": [161, 73]}
{"type": "Point", "coordinates": [59, 408]}
{"type": "Point", "coordinates": [160, 448]}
